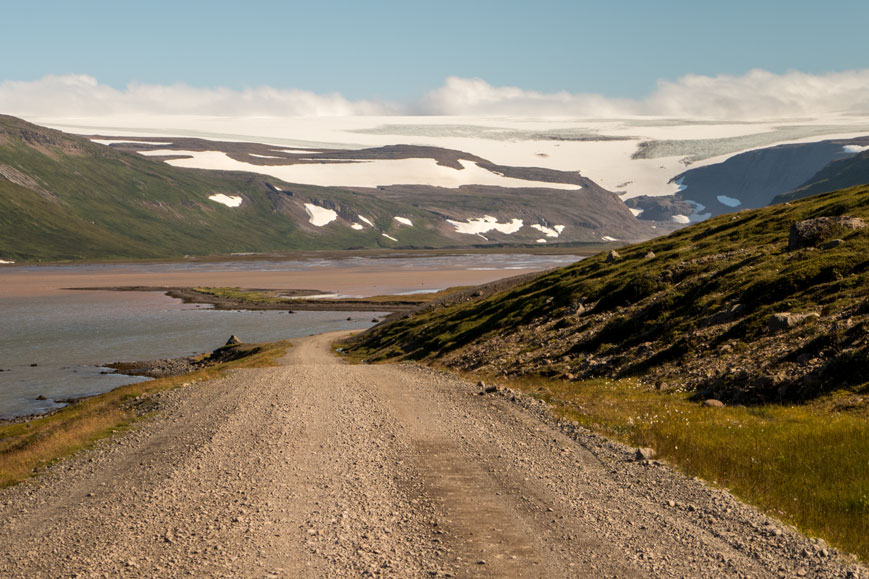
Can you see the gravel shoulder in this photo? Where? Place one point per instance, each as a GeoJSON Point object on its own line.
{"type": "Point", "coordinates": [321, 469]}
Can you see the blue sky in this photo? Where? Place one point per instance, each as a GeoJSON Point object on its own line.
{"type": "Point", "coordinates": [400, 50]}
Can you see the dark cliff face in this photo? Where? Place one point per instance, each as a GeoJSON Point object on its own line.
{"type": "Point", "coordinates": [842, 173]}
{"type": "Point", "coordinates": [754, 178]}
{"type": "Point", "coordinates": [759, 178]}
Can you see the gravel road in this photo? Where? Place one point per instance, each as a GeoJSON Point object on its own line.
{"type": "Point", "coordinates": [321, 469]}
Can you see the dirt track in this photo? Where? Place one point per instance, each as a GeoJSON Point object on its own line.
{"type": "Point", "coordinates": [320, 469]}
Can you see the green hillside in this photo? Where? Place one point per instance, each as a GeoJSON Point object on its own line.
{"type": "Point", "coordinates": [692, 311]}
{"type": "Point", "coordinates": [63, 197]}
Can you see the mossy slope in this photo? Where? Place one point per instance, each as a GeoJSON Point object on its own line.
{"type": "Point", "coordinates": [695, 316]}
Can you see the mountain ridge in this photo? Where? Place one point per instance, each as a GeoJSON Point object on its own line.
{"type": "Point", "coordinates": [63, 197]}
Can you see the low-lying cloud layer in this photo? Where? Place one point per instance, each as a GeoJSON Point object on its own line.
{"type": "Point", "coordinates": [754, 95]}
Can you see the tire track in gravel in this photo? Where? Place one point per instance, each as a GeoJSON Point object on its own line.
{"type": "Point", "coordinates": [321, 469]}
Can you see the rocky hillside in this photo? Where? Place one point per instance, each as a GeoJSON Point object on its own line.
{"type": "Point", "coordinates": [64, 197]}
{"type": "Point", "coordinates": [762, 305]}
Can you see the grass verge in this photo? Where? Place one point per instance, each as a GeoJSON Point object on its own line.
{"type": "Point", "coordinates": [806, 464]}
{"type": "Point", "coordinates": [27, 447]}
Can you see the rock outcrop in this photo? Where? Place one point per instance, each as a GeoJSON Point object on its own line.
{"type": "Point", "coordinates": [812, 232]}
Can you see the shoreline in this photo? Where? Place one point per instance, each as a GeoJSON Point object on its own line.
{"type": "Point", "coordinates": [153, 370]}
{"type": "Point", "coordinates": [584, 249]}
{"type": "Point", "coordinates": [290, 300]}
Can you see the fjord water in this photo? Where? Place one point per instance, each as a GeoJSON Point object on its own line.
{"type": "Point", "coordinates": [69, 334]}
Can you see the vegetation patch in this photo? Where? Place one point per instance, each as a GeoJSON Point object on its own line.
{"type": "Point", "coordinates": [805, 464]}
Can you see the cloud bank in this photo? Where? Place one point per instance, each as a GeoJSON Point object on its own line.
{"type": "Point", "coordinates": [82, 95]}
{"type": "Point", "coordinates": [757, 94]}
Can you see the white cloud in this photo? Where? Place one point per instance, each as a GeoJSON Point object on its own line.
{"type": "Point", "coordinates": [474, 96]}
{"type": "Point", "coordinates": [753, 95]}
{"type": "Point", "coordinates": [82, 95]}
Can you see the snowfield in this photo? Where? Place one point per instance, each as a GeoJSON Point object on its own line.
{"type": "Point", "coordinates": [119, 141]}
{"type": "Point", "coordinates": [365, 220]}
{"type": "Point", "coordinates": [485, 224]}
{"type": "Point", "coordinates": [631, 156]}
{"type": "Point", "coordinates": [228, 200]}
{"type": "Point", "coordinates": [363, 173]}
{"type": "Point", "coordinates": [404, 221]}
{"type": "Point", "coordinates": [553, 231]}
{"type": "Point", "coordinates": [389, 237]}
{"type": "Point", "coordinates": [728, 201]}
{"type": "Point", "coordinates": [854, 149]}
{"type": "Point", "coordinates": [319, 216]}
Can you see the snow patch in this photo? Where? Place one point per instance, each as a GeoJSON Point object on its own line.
{"type": "Point", "coordinates": [358, 172]}
{"type": "Point", "coordinates": [854, 149]}
{"type": "Point", "coordinates": [636, 212]}
{"type": "Point", "coordinates": [608, 238]}
{"type": "Point", "coordinates": [365, 220]}
{"type": "Point", "coordinates": [389, 237]}
{"type": "Point", "coordinates": [356, 226]}
{"type": "Point", "coordinates": [319, 216]}
{"type": "Point", "coordinates": [4, 262]}
{"type": "Point", "coordinates": [404, 221]}
{"type": "Point", "coordinates": [484, 224]}
{"type": "Point", "coordinates": [681, 219]}
{"type": "Point", "coordinates": [125, 142]}
{"type": "Point", "coordinates": [174, 153]}
{"type": "Point", "coordinates": [228, 200]}
{"type": "Point", "coordinates": [297, 151]}
{"type": "Point", "coordinates": [729, 201]}
{"type": "Point", "coordinates": [264, 156]}
{"type": "Point", "coordinates": [541, 240]}
{"type": "Point", "coordinates": [553, 231]}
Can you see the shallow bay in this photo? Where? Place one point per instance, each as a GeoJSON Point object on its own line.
{"type": "Point", "coordinates": [54, 340]}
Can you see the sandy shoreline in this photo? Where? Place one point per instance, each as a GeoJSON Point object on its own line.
{"type": "Point", "coordinates": [377, 279]}
{"type": "Point", "coordinates": [295, 300]}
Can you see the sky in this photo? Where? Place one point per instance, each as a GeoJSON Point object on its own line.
{"type": "Point", "coordinates": [410, 56]}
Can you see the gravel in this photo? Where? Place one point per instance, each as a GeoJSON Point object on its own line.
{"type": "Point", "coordinates": [321, 469]}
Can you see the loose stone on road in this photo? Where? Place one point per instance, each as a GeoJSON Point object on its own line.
{"type": "Point", "coordinates": [317, 468]}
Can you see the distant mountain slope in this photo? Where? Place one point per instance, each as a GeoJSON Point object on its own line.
{"type": "Point", "coordinates": [750, 180]}
{"type": "Point", "coordinates": [64, 197]}
{"type": "Point", "coordinates": [848, 172]}
{"type": "Point", "coordinates": [722, 308]}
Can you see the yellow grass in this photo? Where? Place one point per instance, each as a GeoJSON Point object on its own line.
{"type": "Point", "coordinates": [806, 464]}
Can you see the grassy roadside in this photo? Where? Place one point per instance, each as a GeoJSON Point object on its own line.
{"type": "Point", "coordinates": [28, 446]}
{"type": "Point", "coordinates": [805, 464]}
